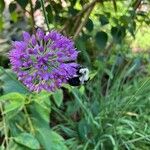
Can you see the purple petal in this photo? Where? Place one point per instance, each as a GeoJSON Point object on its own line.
{"type": "Point", "coordinates": [33, 40]}
{"type": "Point", "coordinates": [26, 36]}
{"type": "Point", "coordinates": [40, 34]}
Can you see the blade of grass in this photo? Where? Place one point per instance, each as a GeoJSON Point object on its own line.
{"type": "Point", "coordinates": [44, 13]}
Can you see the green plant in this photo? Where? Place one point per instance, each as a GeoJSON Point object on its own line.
{"type": "Point", "coordinates": [110, 112]}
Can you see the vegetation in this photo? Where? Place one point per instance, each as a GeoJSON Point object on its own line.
{"type": "Point", "coordinates": [110, 112]}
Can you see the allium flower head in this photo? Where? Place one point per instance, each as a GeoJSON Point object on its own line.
{"type": "Point", "coordinates": [41, 61]}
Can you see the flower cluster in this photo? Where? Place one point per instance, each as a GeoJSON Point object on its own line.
{"type": "Point", "coordinates": [43, 62]}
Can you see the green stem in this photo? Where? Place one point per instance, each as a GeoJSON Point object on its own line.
{"type": "Point", "coordinates": [62, 116]}
{"type": "Point", "coordinates": [87, 112]}
{"type": "Point", "coordinates": [137, 139]}
{"type": "Point", "coordinates": [131, 100]}
{"type": "Point", "coordinates": [134, 96]}
{"type": "Point", "coordinates": [4, 125]}
{"type": "Point", "coordinates": [29, 120]}
{"type": "Point", "coordinates": [44, 13]}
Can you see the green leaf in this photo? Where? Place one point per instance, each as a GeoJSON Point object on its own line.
{"type": "Point", "coordinates": [12, 145]}
{"type": "Point", "coordinates": [125, 19]}
{"type": "Point", "coordinates": [2, 5]}
{"type": "Point", "coordinates": [22, 3]}
{"type": "Point", "coordinates": [11, 84]}
{"type": "Point", "coordinates": [13, 103]}
{"type": "Point", "coordinates": [115, 20]}
{"type": "Point", "coordinates": [41, 106]}
{"type": "Point", "coordinates": [73, 2]}
{"type": "Point", "coordinates": [58, 97]}
{"type": "Point", "coordinates": [67, 87]}
{"type": "Point", "coordinates": [42, 110]}
{"type": "Point", "coordinates": [84, 129]}
{"type": "Point", "coordinates": [132, 28]}
{"type": "Point", "coordinates": [12, 7]}
{"type": "Point", "coordinates": [82, 90]}
{"type": "Point", "coordinates": [81, 44]}
{"type": "Point", "coordinates": [118, 33]}
{"type": "Point", "coordinates": [2, 148]}
{"type": "Point", "coordinates": [13, 106]}
{"type": "Point", "coordinates": [72, 107]}
{"type": "Point", "coordinates": [109, 73]}
{"type": "Point", "coordinates": [103, 20]}
{"type": "Point", "coordinates": [27, 140]}
{"type": "Point", "coordinates": [50, 140]}
{"type": "Point", "coordinates": [101, 39]}
{"type": "Point", "coordinates": [49, 13]}
{"type": "Point", "coordinates": [14, 16]}
{"type": "Point", "coordinates": [72, 11]}
{"type": "Point", "coordinates": [13, 96]}
{"type": "Point", "coordinates": [89, 25]}
{"type": "Point", "coordinates": [110, 137]}
{"type": "Point", "coordinates": [37, 5]}
{"type": "Point", "coordinates": [69, 132]}
{"type": "Point", "coordinates": [93, 74]}
{"type": "Point", "coordinates": [42, 97]}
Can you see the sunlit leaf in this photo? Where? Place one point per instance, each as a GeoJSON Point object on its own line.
{"type": "Point", "coordinates": [58, 97]}
{"type": "Point", "coordinates": [27, 140]}
{"type": "Point", "coordinates": [14, 16]}
{"type": "Point", "coordinates": [93, 74]}
{"type": "Point", "coordinates": [82, 90]}
{"type": "Point", "coordinates": [12, 96]}
{"type": "Point", "coordinates": [15, 146]}
{"type": "Point", "coordinates": [13, 103]}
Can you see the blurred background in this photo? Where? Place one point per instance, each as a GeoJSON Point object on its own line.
{"type": "Point", "coordinates": [111, 112]}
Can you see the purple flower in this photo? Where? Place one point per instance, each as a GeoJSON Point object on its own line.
{"type": "Point", "coordinates": [41, 62]}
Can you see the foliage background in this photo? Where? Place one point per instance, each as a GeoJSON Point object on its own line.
{"type": "Point", "coordinates": [112, 110]}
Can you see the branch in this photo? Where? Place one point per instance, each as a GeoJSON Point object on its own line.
{"type": "Point", "coordinates": [83, 22]}
{"type": "Point", "coordinates": [32, 17]}
{"type": "Point", "coordinates": [115, 5]}
{"type": "Point", "coordinates": [84, 9]}
{"type": "Point", "coordinates": [77, 22]}
{"type": "Point", "coordinates": [136, 4]}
